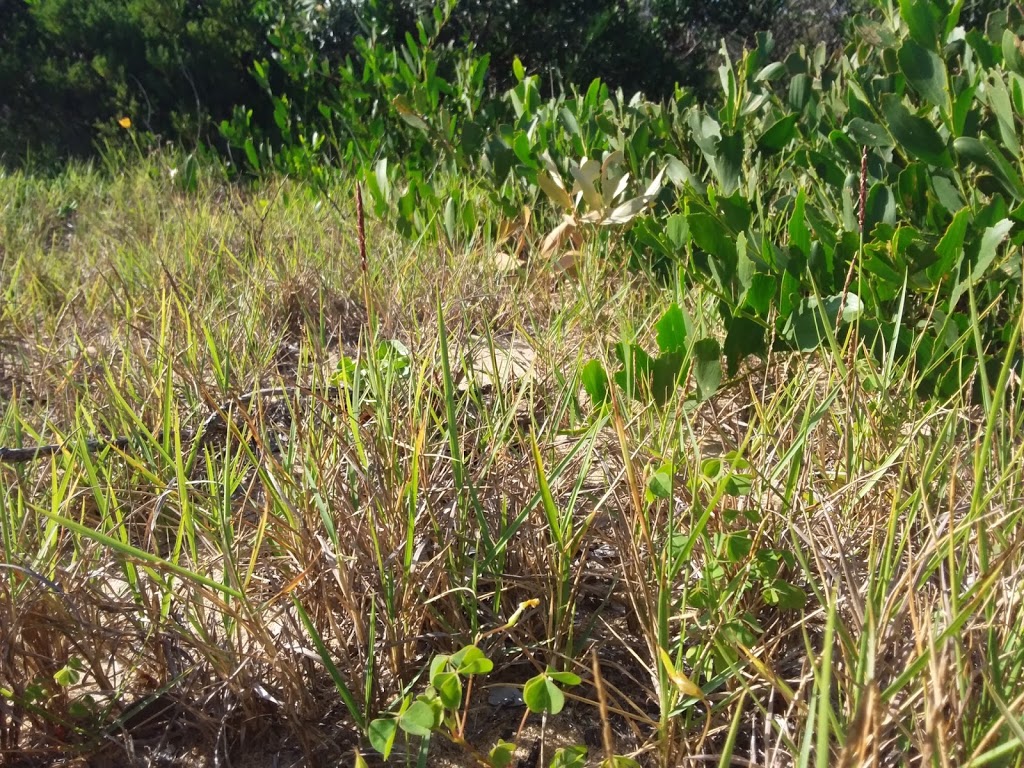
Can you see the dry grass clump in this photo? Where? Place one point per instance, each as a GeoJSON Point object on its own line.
{"type": "Point", "coordinates": [276, 552]}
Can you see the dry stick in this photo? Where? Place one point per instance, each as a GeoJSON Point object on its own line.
{"type": "Point", "coordinates": [607, 739]}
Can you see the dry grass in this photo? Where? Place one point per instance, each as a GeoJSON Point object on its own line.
{"type": "Point", "coordinates": [193, 593]}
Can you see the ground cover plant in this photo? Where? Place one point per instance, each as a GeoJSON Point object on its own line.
{"type": "Point", "coordinates": [484, 429]}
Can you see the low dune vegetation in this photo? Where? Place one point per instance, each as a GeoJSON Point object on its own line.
{"type": "Point", "coordinates": [440, 420]}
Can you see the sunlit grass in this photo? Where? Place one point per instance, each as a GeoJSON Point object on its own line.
{"type": "Point", "coordinates": [832, 561]}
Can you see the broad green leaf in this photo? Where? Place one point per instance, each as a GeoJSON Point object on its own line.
{"type": "Point", "coordinates": [950, 249]}
{"type": "Point", "coordinates": [569, 757]}
{"type": "Point", "coordinates": [760, 294]}
{"type": "Point", "coordinates": [666, 372]}
{"type": "Point", "coordinates": [926, 72]}
{"type": "Point", "coordinates": [805, 328]}
{"type": "Point", "coordinates": [745, 266]}
{"type": "Point", "coordinates": [770, 72]}
{"type": "Point", "coordinates": [990, 242]}
{"type": "Point", "coordinates": [678, 230]}
{"type": "Point", "coordinates": [671, 330]}
{"type": "Point", "coordinates": [421, 718]}
{"type": "Point", "coordinates": [595, 382]}
{"type": "Point", "coordinates": [915, 134]}
{"type": "Point", "coordinates": [521, 145]}
{"type": "Point", "coordinates": [1013, 52]}
{"type": "Point", "coordinates": [999, 101]}
{"type": "Point", "coordinates": [880, 207]}
{"type": "Point", "coordinates": [921, 21]}
{"type": "Point", "coordinates": [962, 105]}
{"type": "Point", "coordinates": [778, 134]}
{"type": "Point", "coordinates": [711, 236]}
{"type": "Point", "coordinates": [565, 678]}
{"type": "Point", "coordinates": [745, 337]}
{"type": "Point", "coordinates": [660, 484]}
{"type": "Point", "coordinates": [542, 695]}
{"type": "Point", "coordinates": [729, 162]}
{"type": "Point", "coordinates": [502, 754]}
{"type": "Point", "coordinates": [707, 367]}
{"type": "Point", "coordinates": [783, 594]}
{"type": "Point", "coordinates": [517, 69]}
{"type": "Point", "coordinates": [799, 234]}
{"type": "Point", "coordinates": [471, 661]}
{"type": "Point", "coordinates": [799, 91]}
{"type": "Point", "coordinates": [449, 689]}
{"type": "Point", "coordinates": [381, 175]}
{"type": "Point", "coordinates": [868, 134]}
{"type": "Point", "coordinates": [381, 734]}
{"type": "Point", "coordinates": [986, 154]}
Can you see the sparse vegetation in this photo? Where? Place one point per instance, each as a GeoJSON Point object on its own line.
{"type": "Point", "coordinates": [612, 432]}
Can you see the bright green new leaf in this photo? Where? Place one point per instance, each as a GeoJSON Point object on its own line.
{"type": "Point", "coordinates": [517, 69]}
{"type": "Point", "coordinates": [471, 661]}
{"type": "Point", "coordinates": [421, 718]}
{"type": "Point", "coordinates": [542, 695]}
{"type": "Point", "coordinates": [565, 678]}
{"type": "Point", "coordinates": [449, 689]}
{"type": "Point", "coordinates": [502, 754]}
{"type": "Point", "coordinates": [569, 757]}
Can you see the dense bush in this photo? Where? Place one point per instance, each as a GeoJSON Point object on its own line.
{"type": "Point", "coordinates": [70, 68]}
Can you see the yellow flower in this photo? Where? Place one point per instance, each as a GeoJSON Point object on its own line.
{"type": "Point", "coordinates": [125, 122]}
